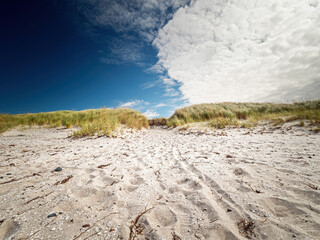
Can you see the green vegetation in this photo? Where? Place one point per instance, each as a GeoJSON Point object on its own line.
{"type": "Point", "coordinates": [221, 115]}
{"type": "Point", "coordinates": [104, 122]}
{"type": "Point", "coordinates": [158, 121]}
{"type": "Point", "coordinates": [222, 122]}
{"type": "Point", "coordinates": [91, 122]}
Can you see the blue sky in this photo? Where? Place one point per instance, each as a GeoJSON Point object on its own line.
{"type": "Point", "coordinates": [51, 61]}
{"type": "Point", "coordinates": [156, 56]}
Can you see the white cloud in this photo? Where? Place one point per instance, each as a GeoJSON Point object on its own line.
{"type": "Point", "coordinates": [135, 22]}
{"type": "Point", "coordinates": [132, 104]}
{"type": "Point", "coordinates": [151, 84]}
{"type": "Point", "coordinates": [169, 81]}
{"type": "Point", "coordinates": [160, 105]}
{"type": "Point", "coordinates": [168, 84]}
{"type": "Point", "coordinates": [243, 50]}
{"type": "Point", "coordinates": [151, 114]}
{"type": "Point", "coordinates": [141, 16]}
{"type": "Point", "coordinates": [171, 92]}
{"type": "Point", "coordinates": [124, 52]}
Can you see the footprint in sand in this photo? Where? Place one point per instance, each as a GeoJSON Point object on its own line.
{"type": "Point", "coordinates": [137, 180]}
{"type": "Point", "coordinates": [162, 186]}
{"type": "Point", "coordinates": [310, 195]}
{"type": "Point", "coordinates": [162, 216]}
{"type": "Point", "coordinates": [191, 184]}
{"type": "Point", "coordinates": [131, 188]}
{"type": "Point", "coordinates": [240, 172]}
{"type": "Point", "coordinates": [110, 181]}
{"type": "Point", "coordinates": [8, 228]}
{"type": "Point", "coordinates": [280, 207]}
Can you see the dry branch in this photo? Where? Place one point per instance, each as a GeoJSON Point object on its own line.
{"type": "Point", "coordinates": [76, 237]}
{"type": "Point", "coordinates": [64, 180]}
{"type": "Point", "coordinates": [103, 166]}
{"type": "Point", "coordinates": [255, 190]}
{"type": "Point", "coordinates": [137, 229]}
{"type": "Point", "coordinates": [18, 179]}
{"type": "Point", "coordinates": [175, 236]}
{"type": "Point", "coordinates": [38, 197]}
{"type": "Point", "coordinates": [157, 173]}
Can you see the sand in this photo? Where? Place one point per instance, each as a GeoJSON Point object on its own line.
{"type": "Point", "coordinates": [161, 184]}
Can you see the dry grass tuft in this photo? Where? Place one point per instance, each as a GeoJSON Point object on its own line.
{"type": "Point", "coordinates": [101, 122]}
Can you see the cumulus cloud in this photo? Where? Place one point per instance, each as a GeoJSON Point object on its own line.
{"type": "Point", "coordinates": [243, 50]}
{"type": "Point", "coordinates": [151, 114]}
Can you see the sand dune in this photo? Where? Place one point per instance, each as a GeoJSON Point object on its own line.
{"type": "Point", "coordinates": [161, 184]}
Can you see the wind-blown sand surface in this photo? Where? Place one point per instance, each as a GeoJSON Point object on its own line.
{"type": "Point", "coordinates": [161, 184]}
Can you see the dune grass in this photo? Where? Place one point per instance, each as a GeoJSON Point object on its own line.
{"type": "Point", "coordinates": [221, 115]}
{"type": "Point", "coordinates": [158, 121]}
{"type": "Point", "coordinates": [93, 121]}
{"type": "Point", "coordinates": [105, 121]}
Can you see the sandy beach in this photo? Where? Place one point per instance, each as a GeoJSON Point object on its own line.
{"type": "Point", "coordinates": [161, 184]}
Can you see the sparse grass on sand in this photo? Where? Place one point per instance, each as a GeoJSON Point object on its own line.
{"type": "Point", "coordinates": [93, 121]}
{"type": "Point", "coordinates": [221, 115]}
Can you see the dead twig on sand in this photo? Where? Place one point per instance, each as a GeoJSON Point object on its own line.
{"type": "Point", "coordinates": [196, 233]}
{"type": "Point", "coordinates": [255, 190]}
{"type": "Point", "coordinates": [175, 236]}
{"type": "Point", "coordinates": [26, 238]}
{"type": "Point", "coordinates": [64, 180]}
{"type": "Point", "coordinates": [77, 236]}
{"type": "Point", "coordinates": [53, 218]}
{"type": "Point", "coordinates": [135, 228]}
{"type": "Point", "coordinates": [18, 179]}
{"type": "Point", "coordinates": [95, 233]}
{"type": "Point", "coordinates": [104, 165]}
{"type": "Point", "coordinates": [38, 197]}
{"type": "Point", "coordinates": [24, 211]}
{"type": "Point", "coordinates": [264, 221]}
{"type": "Point", "coordinates": [157, 173]}
{"type": "Point", "coordinates": [314, 187]}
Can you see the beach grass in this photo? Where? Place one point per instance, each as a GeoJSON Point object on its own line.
{"type": "Point", "coordinates": [220, 115]}
{"type": "Point", "coordinates": [90, 122]}
{"type": "Point", "coordinates": [104, 122]}
{"type": "Point", "coordinates": [158, 121]}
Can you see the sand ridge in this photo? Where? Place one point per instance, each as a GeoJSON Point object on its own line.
{"type": "Point", "coordinates": [160, 184]}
